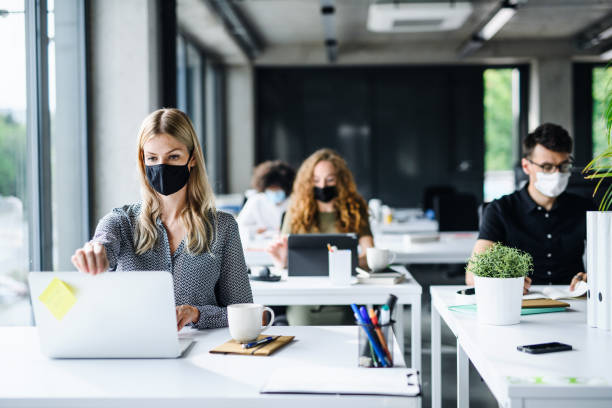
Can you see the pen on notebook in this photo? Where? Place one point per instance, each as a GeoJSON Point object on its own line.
{"type": "Point", "coordinates": [329, 248]}
{"type": "Point", "coordinates": [258, 342]}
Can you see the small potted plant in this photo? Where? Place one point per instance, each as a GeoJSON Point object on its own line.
{"type": "Point", "coordinates": [499, 276]}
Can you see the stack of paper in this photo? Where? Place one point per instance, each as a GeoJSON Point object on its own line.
{"type": "Point", "coordinates": [379, 278]}
{"type": "Point", "coordinates": [347, 381]}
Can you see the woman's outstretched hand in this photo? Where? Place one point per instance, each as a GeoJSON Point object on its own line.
{"type": "Point", "coordinates": [278, 250]}
{"type": "Point", "coordinates": [91, 258]}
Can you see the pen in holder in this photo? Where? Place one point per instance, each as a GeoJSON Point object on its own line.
{"type": "Point", "coordinates": [371, 354]}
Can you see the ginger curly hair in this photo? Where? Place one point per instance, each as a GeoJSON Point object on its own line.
{"type": "Point", "coordinates": [351, 208]}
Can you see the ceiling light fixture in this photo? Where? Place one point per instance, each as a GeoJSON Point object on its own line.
{"type": "Point", "coordinates": [606, 55]}
{"type": "Point", "coordinates": [499, 19]}
{"type": "Point", "coordinates": [496, 21]}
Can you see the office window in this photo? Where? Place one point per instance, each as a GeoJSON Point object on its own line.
{"type": "Point", "coordinates": [501, 130]}
{"type": "Point", "coordinates": [191, 87]}
{"type": "Point", "coordinates": [601, 88]}
{"type": "Point", "coordinates": [67, 129]}
{"type": "Point", "coordinates": [43, 162]}
{"type": "Point", "coordinates": [14, 248]}
{"type": "Point", "coordinates": [200, 93]}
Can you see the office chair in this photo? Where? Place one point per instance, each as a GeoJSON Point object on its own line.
{"type": "Point", "coordinates": [456, 212]}
{"type": "Point", "coordinates": [481, 210]}
{"type": "Point", "coordinates": [433, 191]}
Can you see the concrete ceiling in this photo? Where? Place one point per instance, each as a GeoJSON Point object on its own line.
{"type": "Point", "coordinates": [196, 19]}
{"type": "Point", "coordinates": [292, 31]}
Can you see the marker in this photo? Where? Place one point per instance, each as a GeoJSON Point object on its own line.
{"type": "Point", "coordinates": [258, 342]}
{"type": "Point", "coordinates": [385, 315]}
{"type": "Point", "coordinates": [391, 301]}
{"type": "Point", "coordinates": [380, 336]}
{"type": "Point", "coordinates": [366, 321]}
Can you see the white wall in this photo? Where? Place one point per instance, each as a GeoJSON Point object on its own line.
{"type": "Point", "coordinates": [123, 90]}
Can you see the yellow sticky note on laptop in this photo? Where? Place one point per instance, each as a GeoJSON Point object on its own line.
{"type": "Point", "coordinates": [58, 298]}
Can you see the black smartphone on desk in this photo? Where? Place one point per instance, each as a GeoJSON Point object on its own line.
{"type": "Point", "coordinates": [544, 348]}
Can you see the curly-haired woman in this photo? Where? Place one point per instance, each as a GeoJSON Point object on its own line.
{"type": "Point", "coordinates": [324, 200]}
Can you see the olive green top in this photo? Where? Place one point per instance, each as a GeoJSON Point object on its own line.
{"type": "Point", "coordinates": [326, 222]}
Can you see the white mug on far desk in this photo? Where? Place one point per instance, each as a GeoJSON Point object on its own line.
{"type": "Point", "coordinates": [378, 259]}
{"type": "Point", "coordinates": [244, 320]}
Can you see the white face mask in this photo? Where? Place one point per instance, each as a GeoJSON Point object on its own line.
{"type": "Point", "coordinates": [553, 184]}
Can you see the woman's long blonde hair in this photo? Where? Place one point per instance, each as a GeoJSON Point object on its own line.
{"type": "Point", "coordinates": [350, 206]}
{"type": "Point", "coordinates": [197, 216]}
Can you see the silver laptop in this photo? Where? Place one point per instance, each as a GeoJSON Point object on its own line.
{"type": "Point", "coordinates": [112, 315]}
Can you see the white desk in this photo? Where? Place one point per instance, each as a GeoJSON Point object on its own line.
{"type": "Point", "coordinates": [28, 379]}
{"type": "Point", "coordinates": [313, 290]}
{"type": "Point", "coordinates": [406, 227]}
{"type": "Point", "coordinates": [453, 247]}
{"type": "Point", "coordinates": [492, 350]}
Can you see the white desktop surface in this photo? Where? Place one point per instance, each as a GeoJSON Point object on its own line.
{"type": "Point", "coordinates": [492, 350]}
{"type": "Point", "coordinates": [453, 247]}
{"type": "Point", "coordinates": [27, 378]}
{"type": "Point", "coordinates": [414, 224]}
{"type": "Point", "coordinates": [318, 290]}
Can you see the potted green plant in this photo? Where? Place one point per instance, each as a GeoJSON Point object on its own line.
{"type": "Point", "coordinates": [599, 230]}
{"type": "Point", "coordinates": [499, 276]}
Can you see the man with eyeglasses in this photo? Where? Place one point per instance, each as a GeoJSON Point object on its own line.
{"type": "Point", "coordinates": [541, 218]}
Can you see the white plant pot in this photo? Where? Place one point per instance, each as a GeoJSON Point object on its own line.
{"type": "Point", "coordinates": [499, 300]}
{"type": "Point", "coordinates": [599, 269]}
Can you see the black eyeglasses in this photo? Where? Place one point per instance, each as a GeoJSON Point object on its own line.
{"type": "Point", "coordinates": [564, 167]}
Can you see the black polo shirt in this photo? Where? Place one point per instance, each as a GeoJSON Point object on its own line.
{"type": "Point", "coordinates": [554, 238]}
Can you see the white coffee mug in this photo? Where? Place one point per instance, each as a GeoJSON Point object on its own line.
{"type": "Point", "coordinates": [379, 259]}
{"type": "Point", "coordinates": [245, 319]}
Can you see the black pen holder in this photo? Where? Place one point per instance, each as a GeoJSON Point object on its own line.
{"type": "Point", "coordinates": [367, 349]}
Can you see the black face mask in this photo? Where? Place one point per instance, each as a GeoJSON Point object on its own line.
{"type": "Point", "coordinates": [167, 179]}
{"type": "Point", "coordinates": [325, 194]}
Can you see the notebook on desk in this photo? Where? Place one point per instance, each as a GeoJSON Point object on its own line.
{"type": "Point", "coordinates": [556, 292]}
{"type": "Point", "coordinates": [234, 347]}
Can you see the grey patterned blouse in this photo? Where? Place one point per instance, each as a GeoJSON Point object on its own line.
{"type": "Point", "coordinates": [209, 281]}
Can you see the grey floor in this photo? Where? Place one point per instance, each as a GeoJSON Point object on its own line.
{"type": "Point", "coordinates": [480, 396]}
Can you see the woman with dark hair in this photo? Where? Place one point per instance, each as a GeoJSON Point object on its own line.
{"type": "Point", "coordinates": [263, 211]}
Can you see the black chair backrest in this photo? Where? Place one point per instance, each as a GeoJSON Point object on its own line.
{"type": "Point", "coordinates": [456, 212]}
{"type": "Point", "coordinates": [431, 192]}
{"type": "Point", "coordinates": [481, 209]}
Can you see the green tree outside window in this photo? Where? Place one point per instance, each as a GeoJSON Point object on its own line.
{"type": "Point", "coordinates": [498, 119]}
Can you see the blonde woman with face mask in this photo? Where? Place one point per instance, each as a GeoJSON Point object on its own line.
{"type": "Point", "coordinates": [175, 227]}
